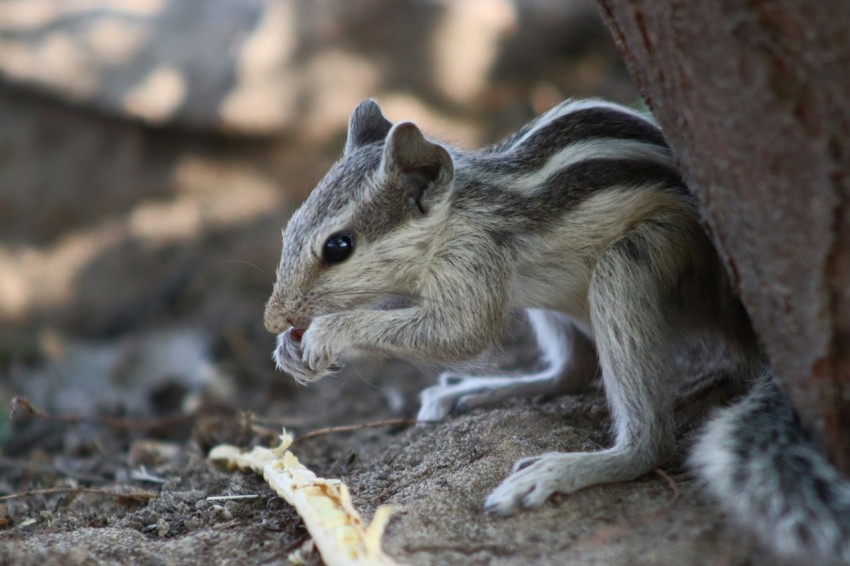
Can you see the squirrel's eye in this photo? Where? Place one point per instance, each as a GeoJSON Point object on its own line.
{"type": "Point", "coordinates": [338, 248]}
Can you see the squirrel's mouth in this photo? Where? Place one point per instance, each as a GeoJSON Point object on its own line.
{"type": "Point", "coordinates": [296, 334]}
{"type": "Point", "coordinates": [298, 326]}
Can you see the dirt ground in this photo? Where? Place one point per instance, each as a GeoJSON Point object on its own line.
{"type": "Point", "coordinates": [134, 264]}
{"type": "Point", "coordinates": [439, 474]}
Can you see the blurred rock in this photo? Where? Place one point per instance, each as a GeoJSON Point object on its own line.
{"type": "Point", "coordinates": [127, 376]}
{"type": "Point", "coordinates": [264, 66]}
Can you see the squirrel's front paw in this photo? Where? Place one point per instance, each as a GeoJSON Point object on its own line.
{"type": "Point", "coordinates": [322, 345]}
{"type": "Point", "coordinates": [288, 356]}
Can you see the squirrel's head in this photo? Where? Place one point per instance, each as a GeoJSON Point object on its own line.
{"type": "Point", "coordinates": [365, 231]}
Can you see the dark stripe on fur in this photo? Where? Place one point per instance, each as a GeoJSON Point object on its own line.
{"type": "Point", "coordinates": [565, 190]}
{"type": "Point", "coordinates": [582, 125]}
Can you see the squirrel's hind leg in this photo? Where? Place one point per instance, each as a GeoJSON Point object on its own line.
{"type": "Point", "coordinates": [569, 360]}
{"type": "Point", "coordinates": [629, 305]}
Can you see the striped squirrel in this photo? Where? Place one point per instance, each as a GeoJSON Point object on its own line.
{"type": "Point", "coordinates": [420, 250]}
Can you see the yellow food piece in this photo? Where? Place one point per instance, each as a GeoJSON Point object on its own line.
{"type": "Point", "coordinates": [338, 530]}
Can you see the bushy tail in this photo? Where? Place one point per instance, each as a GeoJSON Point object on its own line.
{"type": "Point", "coordinates": [758, 461]}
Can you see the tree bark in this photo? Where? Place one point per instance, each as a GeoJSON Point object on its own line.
{"type": "Point", "coordinates": [753, 98]}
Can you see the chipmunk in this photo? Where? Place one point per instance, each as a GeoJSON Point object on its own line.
{"type": "Point", "coordinates": [420, 250]}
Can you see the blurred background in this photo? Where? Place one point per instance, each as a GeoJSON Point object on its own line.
{"type": "Point", "coordinates": [152, 150]}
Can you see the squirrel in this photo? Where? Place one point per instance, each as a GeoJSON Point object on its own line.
{"type": "Point", "coordinates": [420, 250]}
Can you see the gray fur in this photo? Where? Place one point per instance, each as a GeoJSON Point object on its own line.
{"type": "Point", "coordinates": [583, 218]}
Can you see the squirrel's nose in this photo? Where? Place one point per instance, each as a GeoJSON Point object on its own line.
{"type": "Point", "coordinates": [275, 325]}
{"type": "Point", "coordinates": [273, 318]}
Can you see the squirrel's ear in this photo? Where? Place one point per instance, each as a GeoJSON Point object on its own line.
{"type": "Point", "coordinates": [426, 168]}
{"type": "Point", "coordinates": [366, 125]}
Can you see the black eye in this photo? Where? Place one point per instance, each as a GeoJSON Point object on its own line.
{"type": "Point", "coordinates": [338, 248]}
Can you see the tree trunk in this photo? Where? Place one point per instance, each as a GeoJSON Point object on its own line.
{"type": "Point", "coordinates": [753, 98]}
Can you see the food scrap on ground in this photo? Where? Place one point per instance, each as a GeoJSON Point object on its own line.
{"type": "Point", "coordinates": [337, 528]}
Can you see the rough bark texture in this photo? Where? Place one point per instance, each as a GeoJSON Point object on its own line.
{"type": "Point", "coordinates": [753, 97]}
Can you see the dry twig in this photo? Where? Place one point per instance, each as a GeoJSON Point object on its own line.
{"type": "Point", "coordinates": [351, 428]}
{"type": "Point", "coordinates": [136, 496]}
{"type": "Point", "coordinates": [21, 403]}
{"type": "Point", "coordinates": [671, 483]}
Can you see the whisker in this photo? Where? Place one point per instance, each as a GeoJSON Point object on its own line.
{"type": "Point", "coordinates": [248, 263]}
{"type": "Point", "coordinates": [358, 374]}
